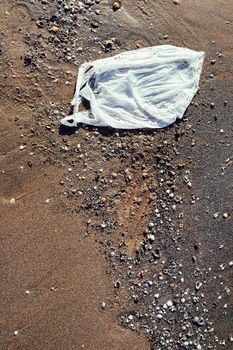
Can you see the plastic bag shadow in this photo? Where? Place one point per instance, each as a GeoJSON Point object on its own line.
{"type": "Point", "coordinates": [67, 130]}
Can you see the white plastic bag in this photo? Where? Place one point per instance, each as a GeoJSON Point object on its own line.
{"type": "Point", "coordinates": [144, 88]}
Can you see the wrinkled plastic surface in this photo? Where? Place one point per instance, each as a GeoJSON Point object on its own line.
{"type": "Point", "coordinates": [144, 88]}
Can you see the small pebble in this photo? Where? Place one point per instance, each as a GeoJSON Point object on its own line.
{"type": "Point", "coordinates": [169, 303]}
{"type": "Point", "coordinates": [116, 5]}
{"type": "Point", "coordinates": [54, 29]}
{"type": "Point", "coordinates": [198, 285]}
{"type": "Point", "coordinates": [151, 237]}
{"type": "Point", "coordinates": [94, 25]}
{"type": "Point", "coordinates": [12, 201]}
{"type": "Point", "coordinates": [117, 284]}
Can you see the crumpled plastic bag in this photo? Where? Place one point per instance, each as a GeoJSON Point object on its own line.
{"type": "Point", "coordinates": [144, 88]}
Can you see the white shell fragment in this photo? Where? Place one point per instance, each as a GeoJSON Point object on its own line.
{"type": "Point", "coordinates": [144, 88]}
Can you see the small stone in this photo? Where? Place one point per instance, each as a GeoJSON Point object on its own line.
{"type": "Point", "coordinates": [169, 303]}
{"type": "Point", "coordinates": [15, 333]}
{"type": "Point", "coordinates": [103, 200]}
{"type": "Point", "coordinates": [117, 284]}
{"type": "Point", "coordinates": [198, 285]}
{"type": "Point", "coordinates": [108, 44]}
{"type": "Point", "coordinates": [12, 201]}
{"type": "Point", "coordinates": [22, 147]}
{"type": "Point", "coordinates": [189, 184]}
{"type": "Point", "coordinates": [195, 300]}
{"type": "Point", "coordinates": [54, 29]}
{"type": "Point", "coordinates": [212, 104]}
{"type": "Point", "coordinates": [94, 24]}
{"type": "Point", "coordinates": [225, 215]}
{"type": "Point", "coordinates": [156, 296]}
{"type": "Point", "coordinates": [176, 2]}
{"type": "Point", "coordinates": [103, 305]}
{"type": "Point", "coordinates": [194, 258]}
{"type": "Point", "coordinates": [116, 5]}
{"type": "Point", "coordinates": [47, 201]}
{"type": "Point", "coordinates": [103, 225]}
{"type": "Point", "coordinates": [156, 254]}
{"type": "Point", "coordinates": [189, 334]}
{"type": "Point", "coordinates": [213, 61]}
{"type": "Point", "coordinates": [230, 338]}
{"type": "Point", "coordinates": [222, 267]}
{"type": "Point", "coordinates": [195, 320]}
{"type": "Point", "coordinates": [27, 292]}
{"type": "Point", "coordinates": [151, 237]}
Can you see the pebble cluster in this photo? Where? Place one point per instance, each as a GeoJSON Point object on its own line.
{"type": "Point", "coordinates": [72, 28]}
